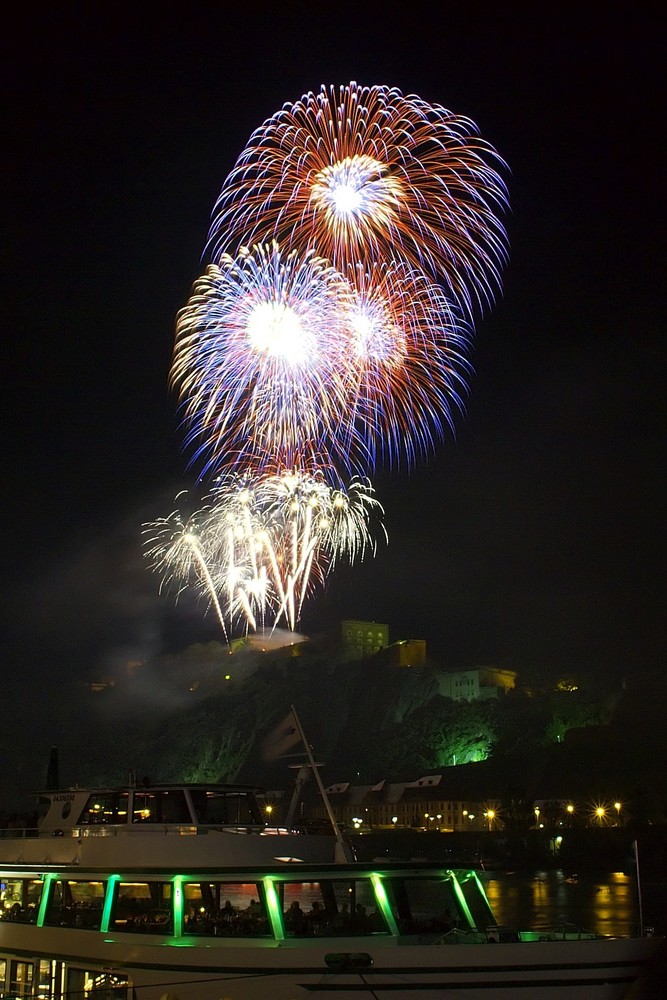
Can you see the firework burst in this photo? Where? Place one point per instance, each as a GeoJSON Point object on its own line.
{"type": "Point", "coordinates": [408, 345]}
{"type": "Point", "coordinates": [352, 245]}
{"type": "Point", "coordinates": [366, 173]}
{"type": "Point", "coordinates": [258, 362]}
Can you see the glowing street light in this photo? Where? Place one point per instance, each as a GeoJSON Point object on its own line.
{"type": "Point", "coordinates": [490, 815]}
{"type": "Point", "coordinates": [617, 807]}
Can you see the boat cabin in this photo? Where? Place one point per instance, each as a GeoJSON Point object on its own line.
{"type": "Point", "coordinates": [191, 805]}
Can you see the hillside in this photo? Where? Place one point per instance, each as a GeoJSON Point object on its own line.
{"type": "Point", "coordinates": [201, 716]}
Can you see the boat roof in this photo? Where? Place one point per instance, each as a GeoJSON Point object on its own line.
{"type": "Point", "coordinates": [151, 787]}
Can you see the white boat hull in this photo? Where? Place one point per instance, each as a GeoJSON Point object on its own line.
{"type": "Point", "coordinates": [216, 969]}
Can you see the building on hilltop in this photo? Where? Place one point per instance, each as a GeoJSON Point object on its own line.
{"type": "Point", "coordinates": [407, 653]}
{"type": "Point", "coordinates": [362, 639]}
{"type": "Point", "coordinates": [476, 683]}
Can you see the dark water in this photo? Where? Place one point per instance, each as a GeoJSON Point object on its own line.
{"type": "Point", "coordinates": [604, 901]}
{"type": "Point", "coordinates": [607, 903]}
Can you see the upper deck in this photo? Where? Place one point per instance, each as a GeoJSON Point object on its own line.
{"type": "Point", "coordinates": [181, 805]}
{"type": "Point", "coordinates": [192, 825]}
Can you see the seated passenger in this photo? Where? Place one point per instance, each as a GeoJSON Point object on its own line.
{"type": "Point", "coordinates": [316, 917]}
{"type": "Point", "coordinates": [295, 919]}
{"type": "Point", "coordinates": [342, 919]}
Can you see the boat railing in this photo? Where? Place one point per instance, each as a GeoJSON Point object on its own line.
{"type": "Point", "coordinates": [137, 829]}
{"type": "Point", "coordinates": [20, 832]}
{"type": "Point", "coordinates": [168, 829]}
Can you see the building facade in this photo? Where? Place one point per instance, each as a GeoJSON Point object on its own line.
{"type": "Point", "coordinates": [362, 639]}
{"type": "Point", "coordinates": [423, 804]}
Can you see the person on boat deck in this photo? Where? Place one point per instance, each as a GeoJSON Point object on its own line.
{"type": "Point", "coordinates": [228, 912]}
{"type": "Point", "coordinates": [295, 918]}
{"type": "Point", "coordinates": [342, 918]}
{"type": "Point", "coordinates": [317, 914]}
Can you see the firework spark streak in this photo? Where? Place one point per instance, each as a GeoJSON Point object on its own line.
{"type": "Point", "coordinates": [174, 546]}
{"type": "Point", "coordinates": [367, 173]}
{"type": "Point", "coordinates": [261, 544]}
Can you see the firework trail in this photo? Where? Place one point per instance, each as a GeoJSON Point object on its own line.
{"type": "Point", "coordinates": [261, 544]}
{"type": "Point", "coordinates": [174, 548]}
{"type": "Point", "coordinates": [366, 173]}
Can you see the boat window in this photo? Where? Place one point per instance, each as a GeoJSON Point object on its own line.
{"type": "Point", "coordinates": [166, 806]}
{"type": "Point", "coordinates": [103, 808]}
{"type": "Point", "coordinates": [143, 907]}
{"type": "Point", "coordinates": [234, 909]}
{"type": "Point", "coordinates": [20, 983]}
{"type": "Point", "coordinates": [225, 808]}
{"type": "Point", "coordinates": [423, 905]}
{"type": "Point", "coordinates": [87, 983]}
{"type": "Point", "coordinates": [20, 899]}
{"type": "Point", "coordinates": [3, 973]}
{"type": "Point", "coordinates": [75, 904]}
{"type": "Point", "coordinates": [332, 906]}
{"type": "Point", "coordinates": [47, 977]}
{"type": "Point", "coordinates": [475, 897]}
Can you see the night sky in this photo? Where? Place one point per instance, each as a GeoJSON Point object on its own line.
{"type": "Point", "coordinates": [532, 539]}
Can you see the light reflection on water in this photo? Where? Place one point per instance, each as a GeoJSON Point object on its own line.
{"type": "Point", "coordinates": [544, 899]}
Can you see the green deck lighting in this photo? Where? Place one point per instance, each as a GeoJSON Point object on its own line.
{"type": "Point", "coordinates": [108, 902]}
{"type": "Point", "coordinates": [274, 908]}
{"type": "Point", "coordinates": [383, 903]}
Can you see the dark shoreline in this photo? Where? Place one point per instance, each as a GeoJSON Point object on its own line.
{"type": "Point", "coordinates": [588, 849]}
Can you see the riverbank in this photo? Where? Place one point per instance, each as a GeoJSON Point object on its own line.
{"type": "Point", "coordinates": [587, 849]}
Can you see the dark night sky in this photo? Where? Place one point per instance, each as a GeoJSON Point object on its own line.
{"type": "Point", "coordinates": [533, 539]}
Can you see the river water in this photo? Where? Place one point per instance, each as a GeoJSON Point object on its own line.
{"type": "Point", "coordinates": [608, 903]}
{"type": "Point", "coordinates": [603, 901]}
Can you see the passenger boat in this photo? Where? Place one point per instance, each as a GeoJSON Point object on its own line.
{"type": "Point", "coordinates": [184, 893]}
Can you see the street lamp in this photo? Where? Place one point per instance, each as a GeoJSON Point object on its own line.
{"type": "Point", "coordinates": [537, 816]}
{"type": "Point", "coordinates": [490, 815]}
{"type": "Point", "coordinates": [617, 807]}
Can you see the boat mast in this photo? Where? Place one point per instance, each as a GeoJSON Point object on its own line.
{"type": "Point", "coordinates": [343, 852]}
{"type": "Point", "coordinates": [639, 889]}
